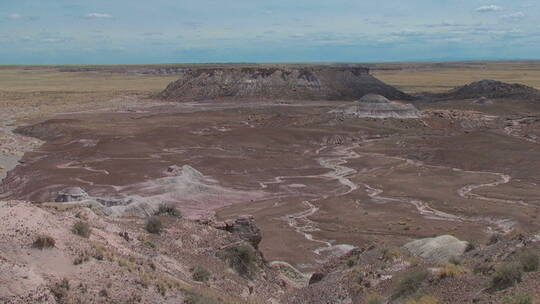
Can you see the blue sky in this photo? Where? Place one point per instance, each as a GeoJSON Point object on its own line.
{"type": "Point", "coordinates": [164, 31]}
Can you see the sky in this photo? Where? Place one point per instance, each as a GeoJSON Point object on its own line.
{"type": "Point", "coordinates": [182, 31]}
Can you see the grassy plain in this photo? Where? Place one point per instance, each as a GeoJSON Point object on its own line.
{"type": "Point", "coordinates": [33, 92]}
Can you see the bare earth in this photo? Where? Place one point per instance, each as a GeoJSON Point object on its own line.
{"type": "Point", "coordinates": [318, 183]}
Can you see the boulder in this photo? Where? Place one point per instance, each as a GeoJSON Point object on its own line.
{"type": "Point", "coordinates": [244, 227]}
{"type": "Point", "coordinates": [437, 249]}
{"type": "Point", "coordinates": [72, 194]}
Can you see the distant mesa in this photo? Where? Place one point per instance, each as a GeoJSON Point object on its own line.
{"type": "Point", "coordinates": [378, 106]}
{"type": "Point", "coordinates": [307, 83]}
{"type": "Point", "coordinates": [492, 89]}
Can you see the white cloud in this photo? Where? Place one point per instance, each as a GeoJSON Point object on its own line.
{"type": "Point", "coordinates": [98, 15]}
{"type": "Point", "coordinates": [488, 8]}
{"type": "Point", "coordinates": [15, 16]}
{"type": "Point", "coordinates": [515, 16]}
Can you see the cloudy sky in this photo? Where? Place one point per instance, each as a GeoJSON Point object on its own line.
{"type": "Point", "coordinates": [163, 31]}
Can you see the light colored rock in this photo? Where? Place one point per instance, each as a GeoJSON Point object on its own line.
{"type": "Point", "coordinates": [438, 249]}
{"type": "Point", "coordinates": [72, 194]}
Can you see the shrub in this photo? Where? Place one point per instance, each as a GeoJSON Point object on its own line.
{"type": "Point", "coordinates": [153, 225]}
{"type": "Point", "coordinates": [389, 255]}
{"type": "Point", "coordinates": [149, 244]}
{"type": "Point", "coordinates": [200, 274]}
{"type": "Point", "coordinates": [241, 258]}
{"type": "Point", "coordinates": [193, 298]}
{"type": "Point", "coordinates": [518, 300]}
{"type": "Point", "coordinates": [168, 209]}
{"type": "Point", "coordinates": [506, 275]}
{"type": "Point", "coordinates": [449, 270]}
{"type": "Point", "coordinates": [373, 298]}
{"type": "Point", "coordinates": [60, 290]}
{"type": "Point", "coordinates": [470, 246]}
{"type": "Point", "coordinates": [356, 278]}
{"type": "Point", "coordinates": [81, 228]}
{"type": "Point", "coordinates": [529, 261]}
{"type": "Point", "coordinates": [495, 238]}
{"type": "Point", "coordinates": [410, 283]}
{"type": "Point", "coordinates": [422, 299]}
{"type": "Point", "coordinates": [83, 257]}
{"type": "Point", "coordinates": [44, 242]}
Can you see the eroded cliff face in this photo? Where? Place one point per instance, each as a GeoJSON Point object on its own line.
{"type": "Point", "coordinates": [322, 83]}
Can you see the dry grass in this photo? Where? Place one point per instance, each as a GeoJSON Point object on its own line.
{"type": "Point", "coordinates": [415, 78]}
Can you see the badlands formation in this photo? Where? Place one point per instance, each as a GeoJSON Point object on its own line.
{"type": "Point", "coordinates": [277, 185]}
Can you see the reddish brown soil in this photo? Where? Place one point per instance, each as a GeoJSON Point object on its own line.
{"type": "Point", "coordinates": [329, 166]}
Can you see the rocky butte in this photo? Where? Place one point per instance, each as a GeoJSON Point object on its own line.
{"type": "Point", "coordinates": [307, 83]}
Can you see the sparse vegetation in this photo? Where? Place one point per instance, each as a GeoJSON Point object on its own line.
{"type": "Point", "coordinates": [154, 225]}
{"type": "Point", "coordinates": [60, 290]}
{"type": "Point", "coordinates": [422, 299]}
{"type": "Point", "coordinates": [149, 244]}
{"type": "Point", "coordinates": [168, 209]}
{"type": "Point", "coordinates": [241, 258]}
{"type": "Point", "coordinates": [390, 254]}
{"type": "Point", "coordinates": [471, 245]}
{"type": "Point", "coordinates": [410, 283]}
{"type": "Point", "coordinates": [200, 274]}
{"type": "Point", "coordinates": [193, 298]}
{"type": "Point", "coordinates": [83, 257]}
{"type": "Point", "coordinates": [104, 293]}
{"type": "Point", "coordinates": [44, 242]}
{"type": "Point", "coordinates": [356, 278]}
{"type": "Point", "coordinates": [506, 275]}
{"type": "Point", "coordinates": [81, 228]}
{"type": "Point", "coordinates": [494, 238]}
{"type": "Point", "coordinates": [449, 270]}
{"type": "Point", "coordinates": [374, 298]}
{"type": "Point", "coordinates": [523, 299]}
{"type": "Point", "coordinates": [529, 260]}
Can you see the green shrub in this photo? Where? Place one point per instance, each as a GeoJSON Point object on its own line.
{"type": "Point", "coordinates": [168, 209]}
{"type": "Point", "coordinates": [200, 274]}
{"type": "Point", "coordinates": [44, 242]}
{"type": "Point", "coordinates": [518, 300]}
{"type": "Point", "coordinates": [529, 261]}
{"type": "Point", "coordinates": [506, 275]}
{"type": "Point", "coordinates": [410, 283]}
{"type": "Point", "coordinates": [154, 225]}
{"type": "Point", "coordinates": [241, 258]}
{"type": "Point", "coordinates": [81, 228]}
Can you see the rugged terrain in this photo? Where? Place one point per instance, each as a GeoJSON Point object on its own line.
{"type": "Point", "coordinates": [308, 83]}
{"type": "Point", "coordinates": [333, 200]}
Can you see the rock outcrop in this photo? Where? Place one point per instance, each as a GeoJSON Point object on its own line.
{"type": "Point", "coordinates": [72, 194]}
{"type": "Point", "coordinates": [313, 83]}
{"type": "Point", "coordinates": [438, 249]}
{"type": "Point", "coordinates": [377, 106]}
{"type": "Point", "coordinates": [244, 227]}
